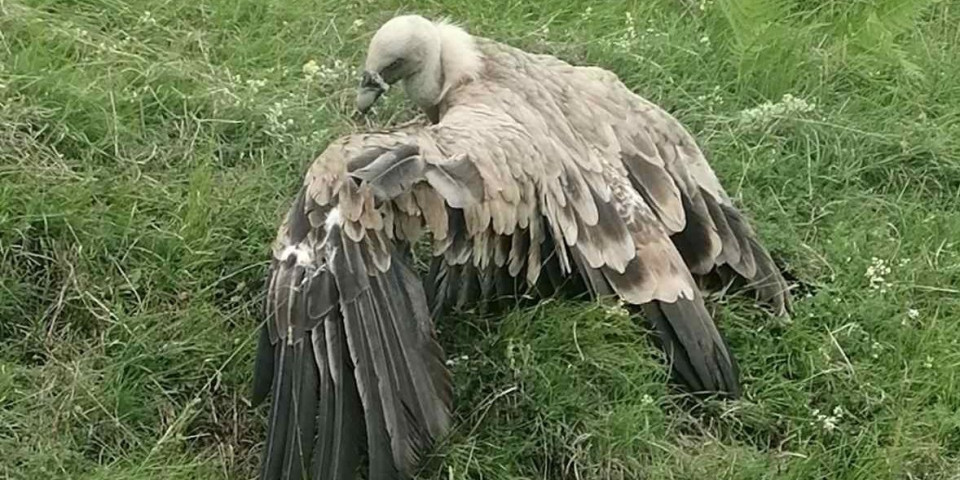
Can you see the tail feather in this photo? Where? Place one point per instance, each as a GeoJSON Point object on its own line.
{"type": "Point", "coordinates": [750, 261]}
{"type": "Point", "coordinates": [769, 284]}
{"type": "Point", "coordinates": [699, 356]}
{"type": "Point", "coordinates": [695, 348]}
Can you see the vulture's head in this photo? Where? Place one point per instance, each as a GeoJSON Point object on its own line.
{"type": "Point", "coordinates": [427, 56]}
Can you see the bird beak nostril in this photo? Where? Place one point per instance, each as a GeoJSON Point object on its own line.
{"type": "Point", "coordinates": [373, 80]}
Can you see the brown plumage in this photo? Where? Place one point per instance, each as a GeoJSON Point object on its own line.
{"type": "Point", "coordinates": [537, 178]}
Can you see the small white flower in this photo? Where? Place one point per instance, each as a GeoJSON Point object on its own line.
{"type": "Point", "coordinates": [311, 68]}
{"type": "Point", "coordinates": [711, 99]}
{"type": "Point", "coordinates": [786, 107]}
{"type": "Point", "coordinates": [631, 27]}
{"type": "Point", "coordinates": [646, 399]}
{"type": "Point", "coordinates": [324, 73]}
{"type": "Point", "coordinates": [928, 363]}
{"type": "Point", "coordinates": [256, 85]}
{"type": "Point", "coordinates": [828, 422]}
{"type": "Point", "coordinates": [913, 314]}
{"type": "Point", "coordinates": [617, 309]}
{"type": "Point", "coordinates": [705, 40]}
{"type": "Point", "coordinates": [876, 273]}
{"type": "Point", "coordinates": [358, 23]}
{"type": "Point", "coordinates": [276, 125]}
{"type": "Point", "coordinates": [147, 18]}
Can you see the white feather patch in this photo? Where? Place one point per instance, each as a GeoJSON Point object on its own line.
{"type": "Point", "coordinates": [301, 252]}
{"type": "Point", "coordinates": [333, 218]}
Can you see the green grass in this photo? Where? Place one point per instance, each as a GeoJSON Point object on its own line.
{"type": "Point", "coordinates": [146, 157]}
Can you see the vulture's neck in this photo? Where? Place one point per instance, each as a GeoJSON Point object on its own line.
{"type": "Point", "coordinates": [457, 60]}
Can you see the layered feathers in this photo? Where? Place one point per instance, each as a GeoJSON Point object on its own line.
{"type": "Point", "coordinates": [537, 178]}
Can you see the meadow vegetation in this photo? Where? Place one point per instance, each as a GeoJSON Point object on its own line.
{"type": "Point", "coordinates": [148, 149]}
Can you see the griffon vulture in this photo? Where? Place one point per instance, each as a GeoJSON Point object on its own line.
{"type": "Point", "coordinates": [535, 178]}
{"type": "Point", "coordinates": [587, 123]}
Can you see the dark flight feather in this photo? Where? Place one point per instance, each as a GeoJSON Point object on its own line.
{"type": "Point", "coordinates": [347, 346]}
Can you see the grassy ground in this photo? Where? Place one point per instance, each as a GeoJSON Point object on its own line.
{"type": "Point", "coordinates": [148, 148]}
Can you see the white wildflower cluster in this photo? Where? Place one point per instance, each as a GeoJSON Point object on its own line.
{"type": "Point", "coordinates": [875, 349]}
{"type": "Point", "coordinates": [786, 107]}
{"type": "Point", "coordinates": [452, 362]}
{"type": "Point", "coordinates": [705, 5]}
{"type": "Point", "coordinates": [134, 95]}
{"type": "Point", "coordinates": [911, 318]}
{"type": "Point", "coordinates": [310, 68]}
{"type": "Point", "coordinates": [255, 85]}
{"type": "Point", "coordinates": [829, 423]}
{"type": "Point", "coordinates": [928, 362]}
{"type": "Point", "coordinates": [616, 309]}
{"type": "Point", "coordinates": [358, 23]}
{"type": "Point", "coordinates": [631, 33]}
{"type": "Point", "coordinates": [877, 273]}
{"type": "Point", "coordinates": [276, 125]}
{"type": "Point", "coordinates": [646, 400]}
{"type": "Point", "coordinates": [283, 71]}
{"type": "Point", "coordinates": [587, 13]}
{"type": "Point", "coordinates": [705, 41]}
{"type": "Point", "coordinates": [146, 18]}
{"type": "Point", "coordinates": [313, 71]}
{"type": "Point", "coordinates": [712, 99]}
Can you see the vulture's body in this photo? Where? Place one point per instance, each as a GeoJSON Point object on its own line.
{"type": "Point", "coordinates": [537, 177]}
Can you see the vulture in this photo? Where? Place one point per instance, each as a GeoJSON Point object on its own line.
{"type": "Point", "coordinates": [533, 177]}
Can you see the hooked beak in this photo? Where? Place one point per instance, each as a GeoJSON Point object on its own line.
{"type": "Point", "coordinates": [371, 88]}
